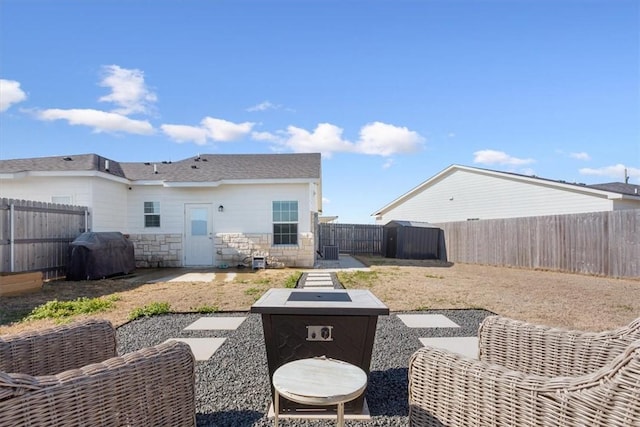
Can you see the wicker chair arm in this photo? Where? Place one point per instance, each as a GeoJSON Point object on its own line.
{"type": "Point", "coordinates": [150, 387]}
{"type": "Point", "coordinates": [547, 351]}
{"type": "Point", "coordinates": [448, 389]}
{"type": "Point", "coordinates": [57, 349]}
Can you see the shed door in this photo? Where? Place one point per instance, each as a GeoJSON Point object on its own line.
{"type": "Point", "coordinates": [392, 242]}
{"type": "Point", "coordinates": [198, 230]}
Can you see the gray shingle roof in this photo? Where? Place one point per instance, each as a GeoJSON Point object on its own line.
{"type": "Point", "coordinates": [203, 168]}
{"type": "Point", "coordinates": [618, 187]}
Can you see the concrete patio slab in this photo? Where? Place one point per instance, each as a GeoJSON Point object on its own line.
{"type": "Point", "coordinates": [427, 321]}
{"type": "Point", "coordinates": [346, 262]}
{"type": "Point", "coordinates": [216, 323]}
{"type": "Point", "coordinates": [202, 348]}
{"type": "Point", "coordinates": [466, 346]}
{"type": "Point", "coordinates": [194, 277]}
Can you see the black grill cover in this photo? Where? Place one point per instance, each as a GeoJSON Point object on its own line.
{"type": "Point", "coordinates": [96, 255]}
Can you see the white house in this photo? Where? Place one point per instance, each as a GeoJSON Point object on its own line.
{"type": "Point", "coordinates": [461, 193]}
{"type": "Point", "coordinates": [201, 211]}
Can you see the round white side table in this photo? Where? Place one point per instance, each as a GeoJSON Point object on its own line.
{"type": "Point", "coordinates": [318, 381]}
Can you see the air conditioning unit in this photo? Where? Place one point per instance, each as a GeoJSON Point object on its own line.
{"type": "Point", "coordinates": [331, 252]}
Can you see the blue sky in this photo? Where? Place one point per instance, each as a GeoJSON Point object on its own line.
{"type": "Point", "coordinates": [391, 92]}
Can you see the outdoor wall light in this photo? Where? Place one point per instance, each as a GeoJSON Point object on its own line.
{"type": "Point", "coordinates": [220, 208]}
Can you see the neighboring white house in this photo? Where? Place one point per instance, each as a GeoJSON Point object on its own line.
{"type": "Point", "coordinates": [461, 193]}
{"type": "Point", "coordinates": [206, 210]}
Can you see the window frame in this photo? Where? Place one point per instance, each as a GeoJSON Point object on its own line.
{"type": "Point", "coordinates": [155, 213]}
{"type": "Point", "coordinates": [285, 221]}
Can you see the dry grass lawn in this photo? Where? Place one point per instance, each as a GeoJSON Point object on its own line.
{"type": "Point", "coordinates": [557, 299]}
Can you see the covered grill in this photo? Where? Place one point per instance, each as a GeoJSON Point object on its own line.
{"type": "Point", "coordinates": [96, 255]}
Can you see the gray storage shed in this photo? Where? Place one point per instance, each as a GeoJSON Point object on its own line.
{"type": "Point", "coordinates": [413, 240]}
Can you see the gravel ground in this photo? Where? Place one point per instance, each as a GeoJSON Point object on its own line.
{"type": "Point", "coordinates": [232, 387]}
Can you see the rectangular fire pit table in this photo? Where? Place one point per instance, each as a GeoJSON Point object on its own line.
{"type": "Point", "coordinates": [305, 323]}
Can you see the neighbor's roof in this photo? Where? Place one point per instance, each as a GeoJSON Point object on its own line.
{"type": "Point", "coordinates": [201, 168]}
{"type": "Point", "coordinates": [611, 190]}
{"type": "Point", "coordinates": [416, 224]}
{"type": "Point", "coordinates": [618, 187]}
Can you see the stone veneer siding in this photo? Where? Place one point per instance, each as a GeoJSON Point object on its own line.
{"type": "Point", "coordinates": [232, 248]}
{"type": "Point", "coordinates": [157, 250]}
{"type": "Point", "coordinates": [165, 250]}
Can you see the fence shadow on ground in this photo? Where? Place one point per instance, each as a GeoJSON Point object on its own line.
{"type": "Point", "coordinates": [378, 260]}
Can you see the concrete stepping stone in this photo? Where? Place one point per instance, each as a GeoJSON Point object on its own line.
{"type": "Point", "coordinates": [427, 321]}
{"type": "Point", "coordinates": [466, 346]}
{"type": "Point", "coordinates": [202, 348]}
{"type": "Point", "coordinates": [216, 323]}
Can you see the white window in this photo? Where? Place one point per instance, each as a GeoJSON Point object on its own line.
{"type": "Point", "coordinates": [285, 222]}
{"type": "Point", "coordinates": [152, 214]}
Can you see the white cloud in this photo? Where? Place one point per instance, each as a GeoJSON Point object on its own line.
{"type": "Point", "coordinates": [326, 201]}
{"type": "Point", "coordinates": [387, 164]}
{"type": "Point", "coordinates": [100, 121]}
{"type": "Point", "coordinates": [615, 172]}
{"type": "Point", "coordinates": [224, 131]}
{"type": "Point", "coordinates": [212, 129]}
{"type": "Point", "coordinates": [580, 156]}
{"type": "Point", "coordinates": [376, 138]}
{"type": "Point", "coordinates": [10, 93]}
{"type": "Point", "coordinates": [183, 133]}
{"type": "Point", "coordinates": [128, 90]}
{"type": "Point", "coordinates": [325, 139]}
{"type": "Point", "coordinates": [492, 157]}
{"type": "Point", "coordinates": [385, 140]}
{"type": "Point", "coordinates": [266, 136]}
{"type": "Point", "coordinates": [263, 106]}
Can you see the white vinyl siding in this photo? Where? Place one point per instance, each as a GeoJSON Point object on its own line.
{"type": "Point", "coordinates": [106, 200]}
{"type": "Point", "coordinates": [247, 208]}
{"type": "Point", "coordinates": [464, 195]}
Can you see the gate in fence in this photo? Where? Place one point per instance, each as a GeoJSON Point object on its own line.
{"type": "Point", "coordinates": [35, 236]}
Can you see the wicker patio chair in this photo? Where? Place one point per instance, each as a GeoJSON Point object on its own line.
{"type": "Point", "coordinates": [594, 379]}
{"type": "Point", "coordinates": [552, 352]}
{"type": "Point", "coordinates": [71, 376]}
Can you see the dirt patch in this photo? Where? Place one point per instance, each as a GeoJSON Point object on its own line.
{"type": "Point", "coordinates": [556, 299]}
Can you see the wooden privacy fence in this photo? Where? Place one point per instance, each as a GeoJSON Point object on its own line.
{"type": "Point", "coordinates": [600, 243]}
{"type": "Point", "coordinates": [351, 238]}
{"type": "Point", "coordinates": [35, 236]}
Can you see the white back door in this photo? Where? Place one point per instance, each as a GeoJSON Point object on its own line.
{"type": "Point", "coordinates": [198, 230]}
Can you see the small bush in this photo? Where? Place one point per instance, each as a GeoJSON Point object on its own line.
{"type": "Point", "coordinates": [207, 309]}
{"type": "Point", "coordinates": [357, 278]}
{"type": "Point", "coordinates": [292, 280]}
{"type": "Point", "coordinates": [252, 291]}
{"type": "Point", "coordinates": [63, 309]}
{"type": "Point", "coordinates": [150, 310]}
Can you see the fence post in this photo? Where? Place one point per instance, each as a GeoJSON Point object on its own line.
{"type": "Point", "coordinates": [11, 238]}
